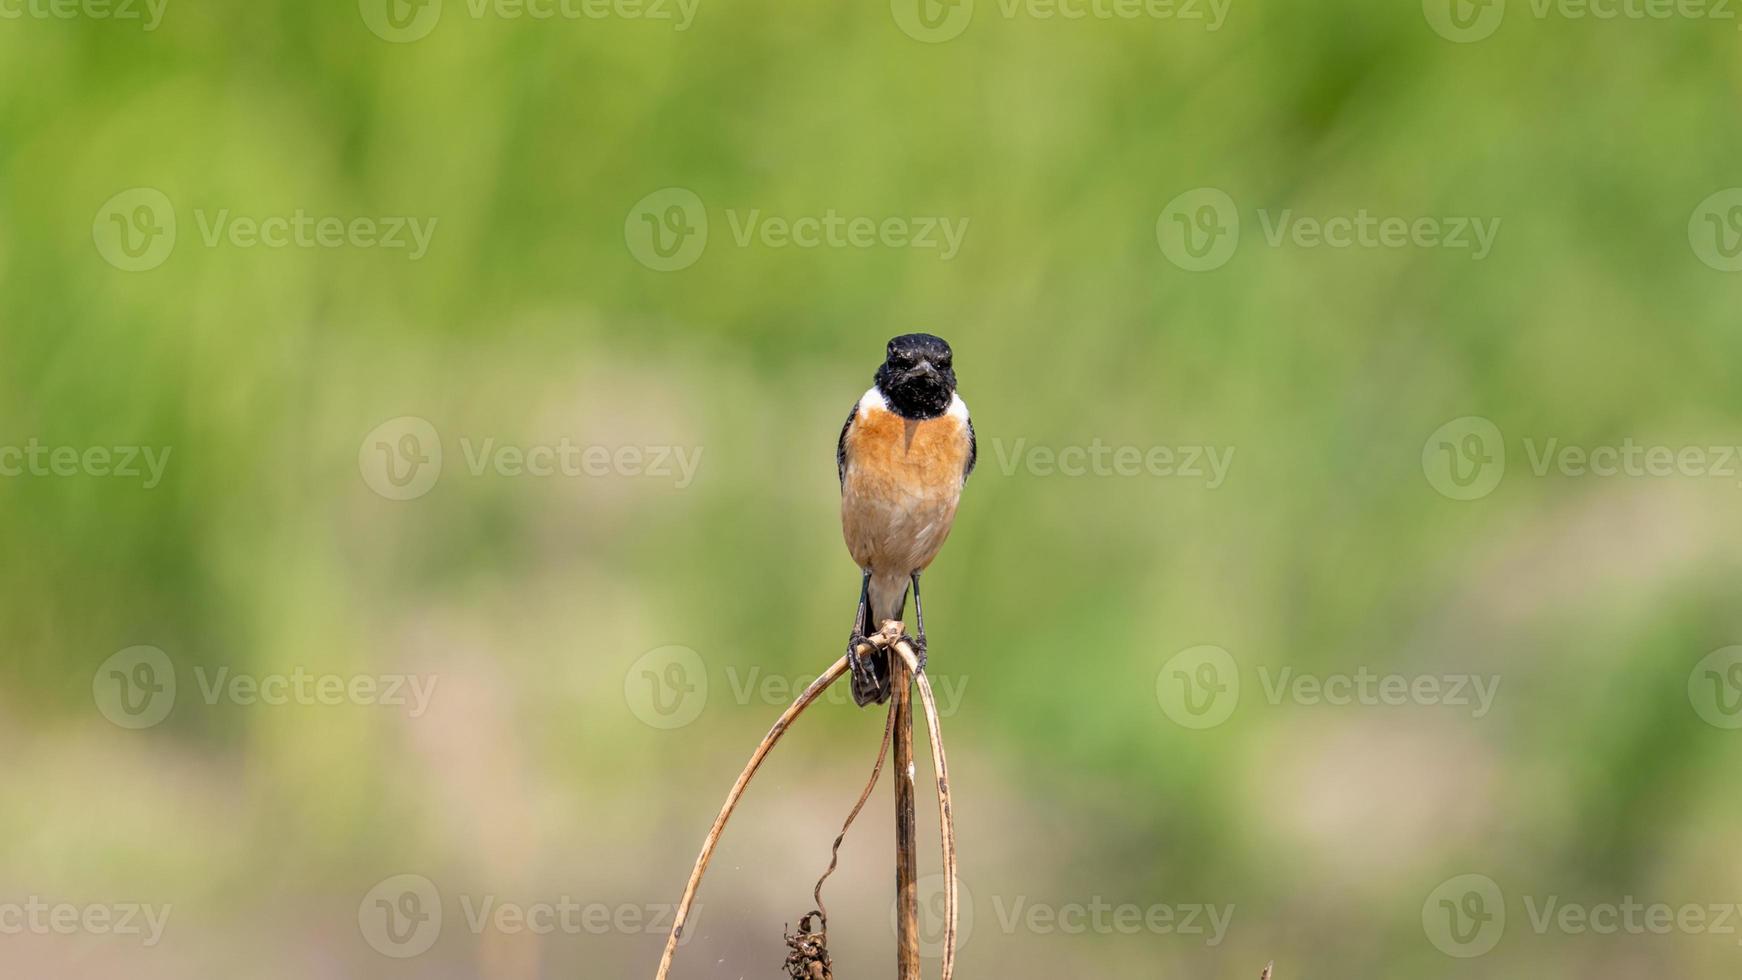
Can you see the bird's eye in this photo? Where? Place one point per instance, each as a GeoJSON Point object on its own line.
{"type": "Point", "coordinates": [944, 362]}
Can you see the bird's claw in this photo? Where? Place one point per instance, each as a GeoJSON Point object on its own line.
{"type": "Point", "coordinates": [870, 671]}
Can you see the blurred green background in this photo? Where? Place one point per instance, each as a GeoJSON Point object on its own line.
{"type": "Point", "coordinates": [602, 641]}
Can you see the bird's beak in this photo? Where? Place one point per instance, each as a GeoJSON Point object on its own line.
{"type": "Point", "coordinates": [924, 369]}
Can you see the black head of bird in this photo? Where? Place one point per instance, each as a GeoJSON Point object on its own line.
{"type": "Point", "coordinates": [917, 377]}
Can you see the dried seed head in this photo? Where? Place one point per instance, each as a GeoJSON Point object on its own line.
{"type": "Point", "coordinates": [807, 955]}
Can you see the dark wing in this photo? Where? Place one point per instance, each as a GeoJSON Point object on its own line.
{"type": "Point", "coordinates": [973, 453]}
{"type": "Point", "coordinates": [841, 447]}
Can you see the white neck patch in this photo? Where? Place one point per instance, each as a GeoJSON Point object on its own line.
{"type": "Point", "coordinates": [874, 400]}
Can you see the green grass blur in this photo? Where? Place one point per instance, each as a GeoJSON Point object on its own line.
{"type": "Point", "coordinates": [534, 602]}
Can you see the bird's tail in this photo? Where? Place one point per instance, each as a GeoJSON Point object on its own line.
{"type": "Point", "coordinates": [888, 599]}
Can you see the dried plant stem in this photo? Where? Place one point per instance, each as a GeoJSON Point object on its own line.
{"type": "Point", "coordinates": [905, 675]}
{"type": "Point", "coordinates": [805, 700]}
{"type": "Point", "coordinates": [946, 814]}
{"type": "Point", "coordinates": [906, 835]}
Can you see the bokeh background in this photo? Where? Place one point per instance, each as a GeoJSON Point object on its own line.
{"type": "Point", "coordinates": [606, 645]}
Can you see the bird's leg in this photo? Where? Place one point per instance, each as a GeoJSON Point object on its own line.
{"type": "Point", "coordinates": [870, 685]}
{"type": "Point", "coordinates": [918, 642]}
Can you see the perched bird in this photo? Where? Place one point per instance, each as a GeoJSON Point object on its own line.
{"type": "Point", "coordinates": [903, 457]}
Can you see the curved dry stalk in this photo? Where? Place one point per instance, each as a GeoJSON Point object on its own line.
{"type": "Point", "coordinates": [835, 852]}
{"type": "Point", "coordinates": [791, 714]}
{"type": "Point", "coordinates": [946, 816]}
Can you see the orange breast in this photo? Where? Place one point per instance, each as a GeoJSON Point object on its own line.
{"type": "Point", "coordinates": [903, 481]}
{"type": "Point", "coordinates": [924, 454]}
